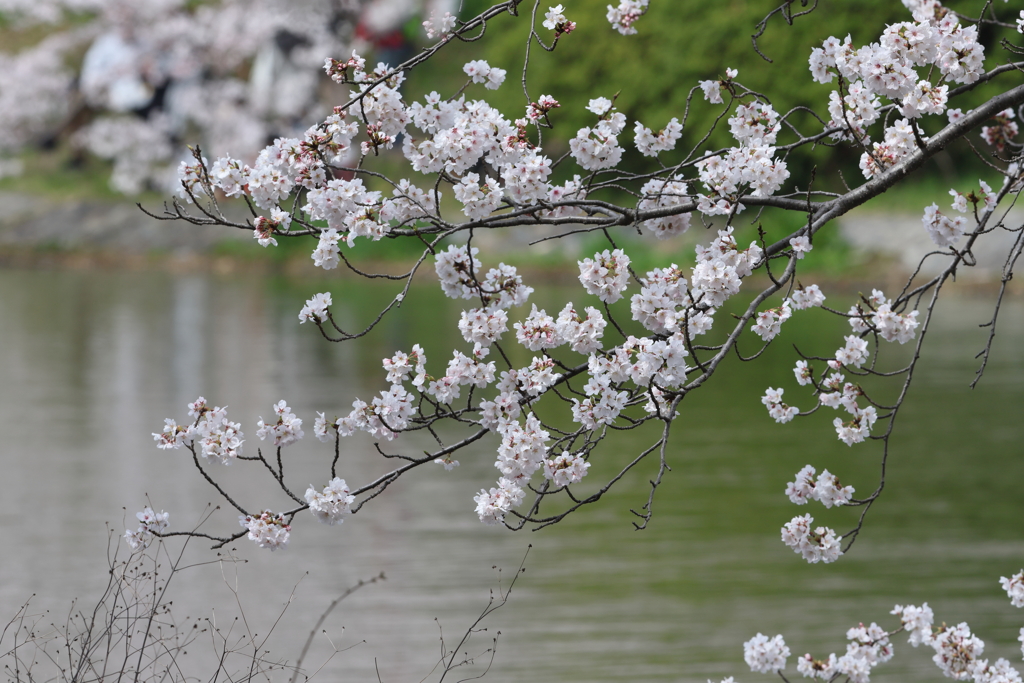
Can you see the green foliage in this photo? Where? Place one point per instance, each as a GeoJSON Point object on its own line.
{"type": "Point", "coordinates": [680, 43]}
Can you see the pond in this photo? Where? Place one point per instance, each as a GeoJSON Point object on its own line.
{"type": "Point", "coordinates": [93, 362]}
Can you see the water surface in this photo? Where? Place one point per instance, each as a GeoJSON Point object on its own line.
{"type": "Point", "coordinates": [94, 361]}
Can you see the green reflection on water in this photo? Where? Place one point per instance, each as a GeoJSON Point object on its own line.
{"type": "Point", "coordinates": [674, 602]}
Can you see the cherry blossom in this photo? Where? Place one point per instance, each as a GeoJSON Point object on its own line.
{"type": "Point", "coordinates": [332, 504]}
{"type": "Point", "coordinates": [268, 530]}
{"type": "Point", "coordinates": [803, 373]}
{"type": "Point", "coordinates": [285, 431]}
{"type": "Point", "coordinates": [582, 334]}
{"type": "Point", "coordinates": [150, 523]}
{"type": "Point", "coordinates": [623, 15]}
{"type": "Point", "coordinates": [801, 245]}
{"type": "Point", "coordinates": [439, 27]}
{"type": "Point", "coordinates": [944, 231]}
{"type": "Point", "coordinates": [480, 71]}
{"type": "Point", "coordinates": [609, 369]}
{"type": "Point", "coordinates": [779, 411]}
{"type": "Point", "coordinates": [606, 275]}
{"type": "Point", "coordinates": [1014, 587]}
{"type": "Point", "coordinates": [764, 654]}
{"type": "Point", "coordinates": [858, 428]}
{"type": "Point", "coordinates": [956, 650]}
{"type": "Point", "coordinates": [554, 20]}
{"type": "Point", "coordinates": [815, 544]}
{"type": "Point", "coordinates": [598, 147]}
{"type": "Point", "coordinates": [768, 323]}
{"type": "Point", "coordinates": [999, 672]}
{"type": "Point", "coordinates": [566, 469]}
{"type": "Point", "coordinates": [807, 297]}
{"type": "Point", "coordinates": [484, 325]}
{"type": "Point", "coordinates": [315, 310]}
{"type": "Point", "coordinates": [713, 89]}
{"type": "Point", "coordinates": [659, 194]}
{"type": "Point", "coordinates": [855, 352]}
{"type": "Point", "coordinates": [917, 621]}
{"type": "Point", "coordinates": [650, 144]}
{"type": "Point", "coordinates": [217, 437]}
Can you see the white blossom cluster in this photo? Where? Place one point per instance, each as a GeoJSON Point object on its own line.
{"type": "Point", "coordinates": [652, 364]}
{"type": "Point", "coordinates": [554, 20]}
{"type": "Point", "coordinates": [899, 141]}
{"type": "Point", "coordinates": [480, 71]}
{"type": "Point", "coordinates": [535, 111]}
{"type": "Point", "coordinates": [34, 85]}
{"type": "Point", "coordinates": [858, 427]}
{"type": "Point", "coordinates": [943, 230]}
{"type": "Point", "coordinates": [192, 54]}
{"type": "Point", "coordinates": [565, 469]}
{"type": "Point", "coordinates": [315, 310]}
{"type": "Point", "coordinates": [1014, 587]}
{"type": "Point", "coordinates": [500, 177]}
{"type": "Point", "coordinates": [834, 391]}
{"type": "Point", "coordinates": [285, 431]}
{"type": "Point", "coordinates": [713, 89]}
{"type": "Point", "coordinates": [826, 489]}
{"type": "Point", "coordinates": [650, 145]}
{"type": "Point", "coordinates": [583, 335]}
{"type": "Point", "coordinates": [332, 504]}
{"type": "Point", "coordinates": [868, 648]}
{"type": "Point", "coordinates": [664, 305]}
{"type": "Point", "coordinates": [815, 544]}
{"type": "Point", "coordinates": [662, 194]}
{"type": "Point", "coordinates": [623, 15]}
{"type": "Point", "coordinates": [606, 275]}
{"type": "Point", "coordinates": [439, 28]}
{"type": "Point", "coordinates": [916, 621]}
{"type": "Point", "coordinates": [768, 323]}
{"type": "Point", "coordinates": [521, 453]}
{"type": "Point", "coordinates": [881, 319]}
{"type": "Point", "coordinates": [479, 200]}
{"type": "Point", "coordinates": [484, 326]}
{"type": "Point", "coordinates": [957, 651]}
{"type": "Point", "coordinates": [934, 42]}
{"type": "Point", "coordinates": [765, 655]}
{"type": "Point", "coordinates": [538, 331]}
{"type": "Point", "coordinates": [456, 268]}
{"type": "Point", "coordinates": [526, 180]}
{"type": "Point", "coordinates": [268, 530]}
{"type": "Point", "coordinates": [598, 148]}
{"type": "Point", "coordinates": [999, 672]}
{"type": "Point", "coordinates": [750, 167]}
{"type": "Point", "coordinates": [218, 438]}
{"type": "Point", "coordinates": [779, 411]}
{"type": "Point", "coordinates": [806, 297]}
{"type": "Point", "coordinates": [721, 267]}
{"type": "Point", "coordinates": [264, 228]}
{"type": "Point", "coordinates": [149, 522]}
{"type": "Point", "coordinates": [385, 415]}
{"type": "Point", "coordinates": [1003, 132]}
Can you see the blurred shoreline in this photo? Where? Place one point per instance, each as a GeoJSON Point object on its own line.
{"type": "Point", "coordinates": [43, 232]}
